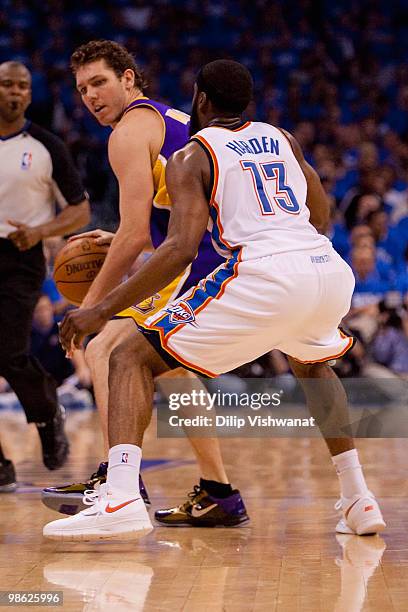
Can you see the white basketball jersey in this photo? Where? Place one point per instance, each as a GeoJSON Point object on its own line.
{"type": "Point", "coordinates": [258, 200]}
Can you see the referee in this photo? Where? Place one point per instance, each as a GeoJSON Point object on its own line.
{"type": "Point", "coordinates": [36, 172]}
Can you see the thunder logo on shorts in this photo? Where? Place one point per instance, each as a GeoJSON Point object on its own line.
{"type": "Point", "coordinates": [181, 312]}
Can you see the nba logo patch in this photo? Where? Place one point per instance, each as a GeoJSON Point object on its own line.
{"type": "Point", "coordinates": [125, 457]}
{"type": "Point", "coordinates": [181, 313]}
{"type": "Point", "coordinates": [26, 161]}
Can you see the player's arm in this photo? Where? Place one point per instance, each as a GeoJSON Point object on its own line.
{"type": "Point", "coordinates": [133, 149]}
{"type": "Point", "coordinates": [67, 221]}
{"type": "Point", "coordinates": [75, 212]}
{"type": "Point", "coordinates": [317, 200]}
{"type": "Point", "coordinates": [187, 179]}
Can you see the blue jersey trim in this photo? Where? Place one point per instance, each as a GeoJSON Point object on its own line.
{"type": "Point", "coordinates": [209, 288]}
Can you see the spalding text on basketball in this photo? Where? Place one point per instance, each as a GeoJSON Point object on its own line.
{"type": "Point", "coordinates": [93, 266]}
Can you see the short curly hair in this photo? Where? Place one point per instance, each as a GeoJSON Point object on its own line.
{"type": "Point", "coordinates": [115, 56]}
{"type": "Point", "coordinates": [228, 85]}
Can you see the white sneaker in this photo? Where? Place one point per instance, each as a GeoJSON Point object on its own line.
{"type": "Point", "coordinates": [361, 515]}
{"type": "Point", "coordinates": [109, 517]}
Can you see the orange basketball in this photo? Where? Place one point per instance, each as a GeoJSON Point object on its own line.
{"type": "Point", "coordinates": [76, 266]}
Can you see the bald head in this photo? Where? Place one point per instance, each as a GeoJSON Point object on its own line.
{"type": "Point", "coordinates": [15, 66]}
{"type": "Point", "coordinates": [15, 93]}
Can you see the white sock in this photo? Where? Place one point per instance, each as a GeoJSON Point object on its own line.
{"type": "Point", "coordinates": [351, 477]}
{"type": "Point", "coordinates": [124, 468]}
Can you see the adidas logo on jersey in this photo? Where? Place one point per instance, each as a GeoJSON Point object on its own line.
{"type": "Point", "coordinates": [181, 313]}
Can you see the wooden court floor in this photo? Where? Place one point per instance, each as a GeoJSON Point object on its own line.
{"type": "Point", "coordinates": [287, 559]}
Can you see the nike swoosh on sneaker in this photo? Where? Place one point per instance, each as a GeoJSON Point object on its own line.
{"type": "Point", "coordinates": [116, 508]}
{"type": "Point", "coordinates": [197, 513]}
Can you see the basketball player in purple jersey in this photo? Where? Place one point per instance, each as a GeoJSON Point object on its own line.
{"type": "Point", "coordinates": [145, 134]}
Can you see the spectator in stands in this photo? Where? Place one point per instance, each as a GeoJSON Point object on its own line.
{"type": "Point", "coordinates": [361, 205]}
{"type": "Point", "coordinates": [361, 235]}
{"type": "Point", "coordinates": [390, 345]}
{"type": "Point", "coordinates": [371, 278]}
{"type": "Point", "coordinates": [373, 281]}
{"type": "Point", "coordinates": [388, 242]}
{"type": "Point", "coordinates": [401, 283]}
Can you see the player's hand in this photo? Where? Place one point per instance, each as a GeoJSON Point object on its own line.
{"type": "Point", "coordinates": [77, 324]}
{"type": "Point", "coordinates": [24, 237]}
{"type": "Point", "coordinates": [101, 237]}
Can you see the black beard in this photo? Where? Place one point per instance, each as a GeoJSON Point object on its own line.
{"type": "Point", "coordinates": [194, 122]}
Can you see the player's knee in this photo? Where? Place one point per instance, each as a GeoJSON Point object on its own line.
{"type": "Point", "coordinates": [94, 351]}
{"type": "Point", "coordinates": [319, 370]}
{"type": "Point", "coordinates": [126, 353]}
{"type": "Point", "coordinates": [308, 370]}
{"type": "Point", "coordinates": [100, 347]}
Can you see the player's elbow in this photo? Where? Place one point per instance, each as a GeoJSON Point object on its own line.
{"type": "Point", "coordinates": [189, 256]}
{"type": "Point", "coordinates": [182, 252]}
{"type": "Point", "coordinates": [128, 238]}
{"type": "Point", "coordinates": [320, 212]}
{"type": "Point", "coordinates": [190, 250]}
{"type": "Point", "coordinates": [317, 201]}
{"type": "Point", "coordinates": [320, 220]}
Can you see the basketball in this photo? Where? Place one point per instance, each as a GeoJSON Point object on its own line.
{"type": "Point", "coordinates": [76, 266]}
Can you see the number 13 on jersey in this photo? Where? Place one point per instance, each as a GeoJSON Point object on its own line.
{"type": "Point", "coordinates": [268, 179]}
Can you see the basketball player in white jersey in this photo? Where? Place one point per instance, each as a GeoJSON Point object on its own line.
{"type": "Point", "coordinates": [283, 286]}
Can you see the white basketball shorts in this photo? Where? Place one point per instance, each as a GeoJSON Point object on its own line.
{"type": "Point", "coordinates": [292, 301]}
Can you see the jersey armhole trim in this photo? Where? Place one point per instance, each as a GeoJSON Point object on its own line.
{"type": "Point", "coordinates": [145, 104]}
{"type": "Point", "coordinates": [293, 151]}
{"type": "Point", "coordinates": [288, 139]}
{"type": "Point", "coordinates": [214, 172]}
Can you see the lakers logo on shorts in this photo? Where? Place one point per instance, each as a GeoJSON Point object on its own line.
{"type": "Point", "coordinates": [147, 305]}
{"type": "Point", "coordinates": [181, 313]}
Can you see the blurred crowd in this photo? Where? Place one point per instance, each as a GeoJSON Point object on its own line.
{"type": "Point", "coordinates": [333, 73]}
